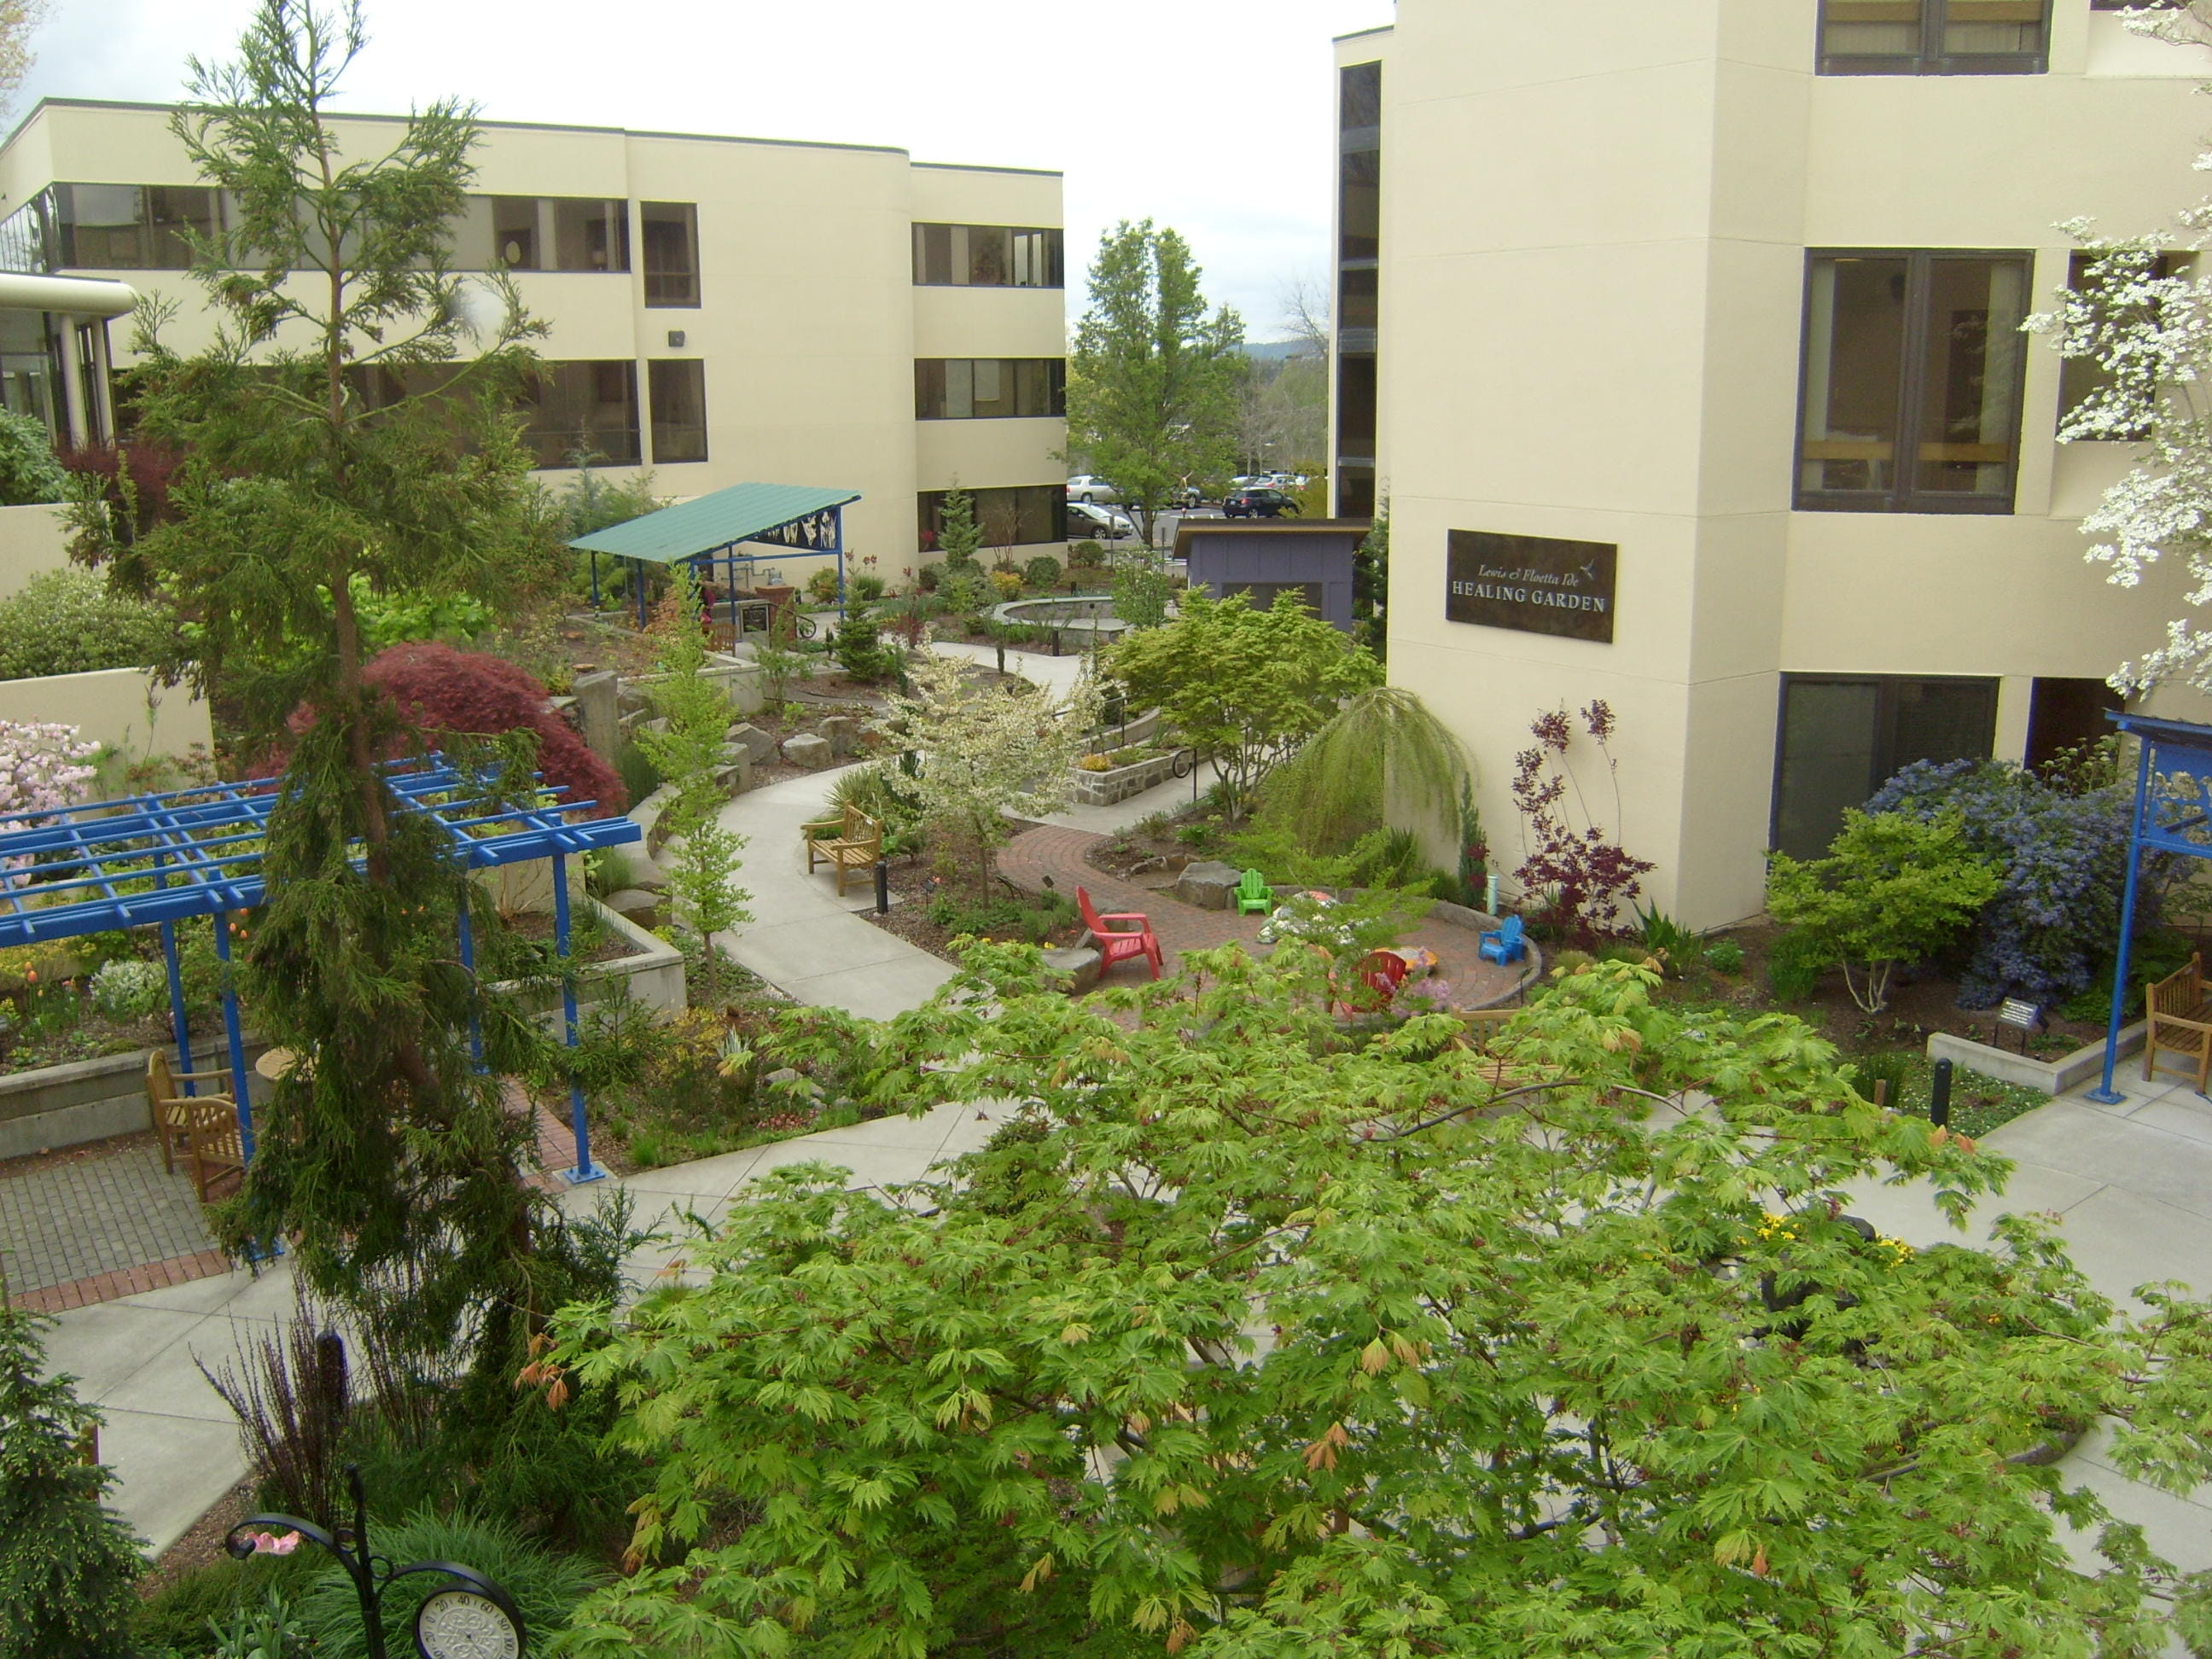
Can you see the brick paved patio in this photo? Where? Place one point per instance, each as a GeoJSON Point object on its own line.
{"type": "Point", "coordinates": [97, 1222]}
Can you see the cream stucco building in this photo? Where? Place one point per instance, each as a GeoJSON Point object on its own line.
{"type": "Point", "coordinates": [721, 309]}
{"type": "Point", "coordinates": [1683, 342]}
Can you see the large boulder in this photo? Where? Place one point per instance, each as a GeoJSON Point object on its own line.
{"type": "Point", "coordinates": [1079, 963]}
{"type": "Point", "coordinates": [808, 751]}
{"type": "Point", "coordinates": [843, 732]}
{"type": "Point", "coordinates": [1208, 884]}
{"type": "Point", "coordinates": [632, 902]}
{"type": "Point", "coordinates": [757, 744]}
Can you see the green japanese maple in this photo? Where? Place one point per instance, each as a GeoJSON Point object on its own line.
{"type": "Point", "coordinates": [1241, 683]}
{"type": "Point", "coordinates": [1250, 1336]}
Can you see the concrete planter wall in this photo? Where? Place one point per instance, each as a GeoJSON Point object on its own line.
{"type": "Point", "coordinates": [1105, 788]}
{"type": "Point", "coordinates": [652, 974]}
{"type": "Point", "coordinates": [91, 1099]}
{"type": "Point", "coordinates": [2052, 1076]}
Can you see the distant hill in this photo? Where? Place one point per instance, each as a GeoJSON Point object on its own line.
{"type": "Point", "coordinates": [1277, 351]}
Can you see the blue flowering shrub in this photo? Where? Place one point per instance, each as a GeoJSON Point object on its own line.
{"type": "Point", "coordinates": [2050, 931]}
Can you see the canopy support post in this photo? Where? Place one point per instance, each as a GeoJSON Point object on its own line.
{"type": "Point", "coordinates": [585, 1169]}
{"type": "Point", "coordinates": [177, 1024]}
{"type": "Point", "coordinates": [637, 575]}
{"type": "Point", "coordinates": [2105, 1094]}
{"type": "Point", "coordinates": [233, 1035]}
{"type": "Point", "coordinates": [468, 943]}
{"type": "Point", "coordinates": [837, 533]}
{"type": "Point", "coordinates": [595, 579]}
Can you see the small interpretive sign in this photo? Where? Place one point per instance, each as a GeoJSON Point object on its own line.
{"type": "Point", "coordinates": [1536, 584]}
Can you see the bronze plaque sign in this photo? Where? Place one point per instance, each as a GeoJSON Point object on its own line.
{"type": "Point", "coordinates": [1532, 583]}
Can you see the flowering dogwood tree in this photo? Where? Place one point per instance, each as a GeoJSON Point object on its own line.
{"type": "Point", "coordinates": [988, 750]}
{"type": "Point", "coordinates": [42, 767]}
{"type": "Point", "coordinates": [2146, 320]}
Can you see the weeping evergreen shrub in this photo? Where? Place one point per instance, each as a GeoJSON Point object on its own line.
{"type": "Point", "coordinates": [1335, 789]}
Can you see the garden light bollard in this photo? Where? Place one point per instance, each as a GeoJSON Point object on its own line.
{"type": "Point", "coordinates": [468, 1615]}
{"type": "Point", "coordinates": [1939, 1096]}
{"type": "Point", "coordinates": [883, 887]}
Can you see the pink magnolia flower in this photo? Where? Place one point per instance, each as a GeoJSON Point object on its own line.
{"type": "Point", "coordinates": [268, 1543]}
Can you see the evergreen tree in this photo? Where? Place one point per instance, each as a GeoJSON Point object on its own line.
{"type": "Point", "coordinates": [958, 535]}
{"type": "Point", "coordinates": [353, 421]}
{"type": "Point", "coordinates": [67, 1565]}
{"type": "Point", "coordinates": [1154, 384]}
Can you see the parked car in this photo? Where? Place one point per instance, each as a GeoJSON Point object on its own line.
{"type": "Point", "coordinates": [1097, 523]}
{"type": "Point", "coordinates": [1258, 504]}
{"type": "Point", "coordinates": [1092, 491]}
{"type": "Point", "coordinates": [1253, 481]}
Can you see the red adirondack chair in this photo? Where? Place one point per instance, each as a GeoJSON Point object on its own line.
{"type": "Point", "coordinates": [1378, 977]}
{"type": "Point", "coordinates": [1116, 943]}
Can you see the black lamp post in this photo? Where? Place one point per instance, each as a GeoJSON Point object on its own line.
{"type": "Point", "coordinates": [468, 1616]}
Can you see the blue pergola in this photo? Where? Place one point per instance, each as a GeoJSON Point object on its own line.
{"type": "Point", "coordinates": [2172, 814]}
{"type": "Point", "coordinates": [164, 859]}
{"type": "Point", "coordinates": [779, 519]}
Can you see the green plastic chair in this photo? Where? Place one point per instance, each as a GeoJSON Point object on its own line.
{"type": "Point", "coordinates": [1253, 894]}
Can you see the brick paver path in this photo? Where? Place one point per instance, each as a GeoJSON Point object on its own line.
{"type": "Point", "coordinates": [1037, 858]}
{"type": "Point", "coordinates": [102, 1218]}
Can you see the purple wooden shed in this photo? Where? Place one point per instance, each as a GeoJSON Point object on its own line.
{"type": "Point", "coordinates": [1262, 557]}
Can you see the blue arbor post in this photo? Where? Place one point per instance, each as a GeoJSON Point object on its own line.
{"type": "Point", "coordinates": [584, 1169]}
{"type": "Point", "coordinates": [235, 1036]}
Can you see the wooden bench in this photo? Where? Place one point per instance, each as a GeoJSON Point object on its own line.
{"type": "Point", "coordinates": [853, 840]}
{"type": "Point", "coordinates": [2180, 1020]}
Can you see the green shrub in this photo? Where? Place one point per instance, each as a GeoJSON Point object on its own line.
{"type": "Point", "coordinates": [1041, 572]}
{"type": "Point", "coordinates": [176, 1617]}
{"type": "Point", "coordinates": [544, 1584]}
{"type": "Point", "coordinates": [1795, 965]}
{"type": "Point", "coordinates": [66, 622]}
{"type": "Point", "coordinates": [28, 471]}
{"type": "Point", "coordinates": [822, 586]}
{"type": "Point", "coordinates": [1675, 945]}
{"type": "Point", "coordinates": [928, 577]}
{"type": "Point", "coordinates": [1087, 555]}
{"type": "Point", "coordinates": [1726, 958]}
{"type": "Point", "coordinates": [640, 776]}
{"type": "Point", "coordinates": [966, 591]}
{"type": "Point", "coordinates": [867, 589]}
{"type": "Point", "coordinates": [862, 652]}
{"type": "Point", "coordinates": [1889, 1070]}
{"type": "Point", "coordinates": [609, 870]}
{"type": "Point", "coordinates": [130, 989]}
{"type": "Point", "coordinates": [1031, 918]}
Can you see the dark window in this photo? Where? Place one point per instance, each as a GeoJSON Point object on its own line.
{"type": "Point", "coordinates": [2081, 378]}
{"type": "Point", "coordinates": [1913, 368]}
{"type": "Point", "coordinates": [988, 256]}
{"type": "Point", "coordinates": [1359, 99]}
{"type": "Point", "coordinates": [2066, 713]}
{"type": "Point", "coordinates": [1359, 205]}
{"type": "Point", "coordinates": [676, 387]}
{"type": "Point", "coordinates": [583, 410]}
{"type": "Point", "coordinates": [542, 233]}
{"type": "Point", "coordinates": [1355, 407]}
{"type": "Point", "coordinates": [1357, 304]}
{"type": "Point", "coordinates": [132, 227]}
{"type": "Point", "coordinates": [1843, 737]}
{"type": "Point", "coordinates": [671, 230]}
{"type": "Point", "coordinates": [27, 235]}
{"type": "Point", "coordinates": [989, 388]}
{"type": "Point", "coordinates": [1018, 516]}
{"type": "Point", "coordinates": [1355, 492]}
{"type": "Point", "coordinates": [1934, 36]}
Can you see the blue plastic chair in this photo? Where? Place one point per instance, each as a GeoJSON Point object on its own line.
{"type": "Point", "coordinates": [1503, 944]}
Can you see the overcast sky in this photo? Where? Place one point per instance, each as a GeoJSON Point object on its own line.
{"type": "Point", "coordinates": [1214, 116]}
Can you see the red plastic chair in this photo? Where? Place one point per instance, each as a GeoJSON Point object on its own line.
{"type": "Point", "coordinates": [1380, 973]}
{"type": "Point", "coordinates": [1117, 945]}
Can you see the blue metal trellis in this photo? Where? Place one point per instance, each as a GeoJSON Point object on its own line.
{"type": "Point", "coordinates": [2172, 814]}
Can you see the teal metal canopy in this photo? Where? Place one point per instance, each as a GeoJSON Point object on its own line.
{"type": "Point", "coordinates": [789, 515]}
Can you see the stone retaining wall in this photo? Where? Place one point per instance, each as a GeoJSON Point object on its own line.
{"type": "Point", "coordinates": [1106, 789]}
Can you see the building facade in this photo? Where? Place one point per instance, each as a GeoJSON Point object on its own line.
{"type": "Point", "coordinates": [1683, 344]}
{"type": "Point", "coordinates": [721, 310]}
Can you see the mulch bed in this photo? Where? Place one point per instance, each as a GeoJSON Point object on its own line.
{"type": "Point", "coordinates": [912, 887]}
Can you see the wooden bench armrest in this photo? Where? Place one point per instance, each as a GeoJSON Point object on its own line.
{"type": "Point", "coordinates": [826, 827]}
{"type": "Point", "coordinates": [2187, 1024]}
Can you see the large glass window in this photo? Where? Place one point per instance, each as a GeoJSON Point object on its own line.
{"type": "Point", "coordinates": [1913, 370]}
{"type": "Point", "coordinates": [1934, 36]}
{"type": "Point", "coordinates": [542, 233]}
{"type": "Point", "coordinates": [1841, 737]}
{"type": "Point", "coordinates": [132, 227]}
{"type": "Point", "coordinates": [583, 410]}
{"type": "Point", "coordinates": [988, 256]}
{"type": "Point", "coordinates": [1020, 516]}
{"type": "Point", "coordinates": [1355, 407]}
{"type": "Point", "coordinates": [987, 388]}
{"type": "Point", "coordinates": [671, 230]}
{"type": "Point", "coordinates": [676, 389]}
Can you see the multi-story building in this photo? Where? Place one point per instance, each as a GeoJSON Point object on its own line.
{"type": "Point", "coordinates": [1684, 343]}
{"type": "Point", "coordinates": [721, 310]}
